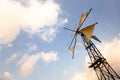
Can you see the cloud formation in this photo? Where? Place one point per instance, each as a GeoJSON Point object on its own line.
{"type": "Point", "coordinates": [0, 48]}
{"type": "Point", "coordinates": [6, 76]}
{"type": "Point", "coordinates": [111, 51]}
{"type": "Point", "coordinates": [32, 47]}
{"type": "Point", "coordinates": [27, 62]}
{"type": "Point", "coordinates": [33, 16]}
{"type": "Point", "coordinates": [11, 58]}
{"type": "Point", "coordinates": [89, 75]}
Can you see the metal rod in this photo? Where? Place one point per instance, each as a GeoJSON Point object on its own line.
{"type": "Point", "coordinates": [69, 29]}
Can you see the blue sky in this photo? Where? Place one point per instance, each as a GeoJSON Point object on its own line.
{"type": "Point", "coordinates": [34, 45]}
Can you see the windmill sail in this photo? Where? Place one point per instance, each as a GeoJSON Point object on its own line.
{"type": "Point", "coordinates": [83, 18]}
{"type": "Point", "coordinates": [87, 31]}
{"type": "Point", "coordinates": [73, 47]}
{"type": "Point", "coordinates": [72, 50]}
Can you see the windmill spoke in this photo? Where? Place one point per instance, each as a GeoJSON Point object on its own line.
{"type": "Point", "coordinates": [73, 48]}
{"type": "Point", "coordinates": [69, 29]}
{"type": "Point", "coordinates": [72, 40]}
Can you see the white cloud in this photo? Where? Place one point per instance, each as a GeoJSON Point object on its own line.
{"type": "Point", "coordinates": [119, 34]}
{"type": "Point", "coordinates": [64, 21]}
{"type": "Point", "coordinates": [6, 76]}
{"type": "Point", "coordinates": [65, 73]}
{"type": "Point", "coordinates": [88, 75]}
{"type": "Point", "coordinates": [8, 22]}
{"type": "Point", "coordinates": [47, 35]}
{"type": "Point", "coordinates": [11, 58]}
{"type": "Point", "coordinates": [37, 17]}
{"type": "Point", "coordinates": [0, 48]}
{"type": "Point", "coordinates": [48, 57]}
{"type": "Point", "coordinates": [10, 45]}
{"type": "Point", "coordinates": [27, 62]}
{"type": "Point", "coordinates": [111, 51]}
{"type": "Point", "coordinates": [32, 47]}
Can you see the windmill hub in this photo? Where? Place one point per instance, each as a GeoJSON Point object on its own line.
{"type": "Point", "coordinates": [82, 34]}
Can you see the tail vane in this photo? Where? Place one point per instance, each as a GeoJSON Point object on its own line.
{"type": "Point", "coordinates": [95, 38]}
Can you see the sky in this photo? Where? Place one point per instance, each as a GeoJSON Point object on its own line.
{"type": "Point", "coordinates": [34, 44]}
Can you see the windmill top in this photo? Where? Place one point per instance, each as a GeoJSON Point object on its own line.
{"type": "Point", "coordinates": [87, 31]}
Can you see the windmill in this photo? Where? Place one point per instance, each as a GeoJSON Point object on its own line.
{"type": "Point", "coordinates": [100, 65]}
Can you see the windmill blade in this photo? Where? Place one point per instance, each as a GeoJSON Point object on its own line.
{"type": "Point", "coordinates": [72, 41]}
{"type": "Point", "coordinates": [87, 31]}
{"type": "Point", "coordinates": [95, 38]}
{"type": "Point", "coordinates": [83, 18]}
{"type": "Point", "coordinates": [73, 48]}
